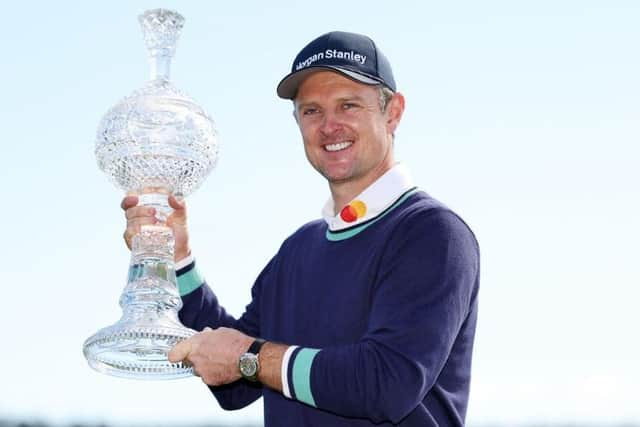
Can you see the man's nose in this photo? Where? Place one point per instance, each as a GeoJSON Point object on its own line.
{"type": "Point", "coordinates": [331, 123]}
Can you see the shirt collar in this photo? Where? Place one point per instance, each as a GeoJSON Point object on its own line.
{"type": "Point", "coordinates": [372, 201]}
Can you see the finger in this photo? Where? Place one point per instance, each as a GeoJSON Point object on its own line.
{"type": "Point", "coordinates": [130, 233]}
{"type": "Point", "coordinates": [129, 201]}
{"type": "Point", "coordinates": [180, 351]}
{"type": "Point", "coordinates": [135, 225]}
{"type": "Point", "coordinates": [139, 211]}
{"type": "Point", "coordinates": [127, 238]}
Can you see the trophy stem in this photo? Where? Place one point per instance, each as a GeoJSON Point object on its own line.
{"type": "Point", "coordinates": [152, 281]}
{"type": "Point", "coordinates": [157, 198]}
{"type": "Point", "coordinates": [137, 346]}
{"type": "Point", "coordinates": [160, 67]}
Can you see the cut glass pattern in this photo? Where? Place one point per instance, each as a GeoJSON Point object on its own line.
{"type": "Point", "coordinates": [155, 142]}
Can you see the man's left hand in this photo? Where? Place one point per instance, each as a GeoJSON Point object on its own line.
{"type": "Point", "coordinates": [214, 354]}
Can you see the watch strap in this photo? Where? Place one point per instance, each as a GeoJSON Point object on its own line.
{"type": "Point", "coordinates": [256, 346]}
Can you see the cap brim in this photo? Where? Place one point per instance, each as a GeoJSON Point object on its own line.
{"type": "Point", "coordinates": [288, 87]}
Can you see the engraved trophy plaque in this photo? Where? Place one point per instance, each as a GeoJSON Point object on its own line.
{"type": "Point", "coordinates": [155, 142]}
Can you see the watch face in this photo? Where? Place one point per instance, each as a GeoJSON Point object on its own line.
{"type": "Point", "coordinates": [248, 365]}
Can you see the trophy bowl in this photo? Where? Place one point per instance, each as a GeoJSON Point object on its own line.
{"type": "Point", "coordinates": [155, 142]}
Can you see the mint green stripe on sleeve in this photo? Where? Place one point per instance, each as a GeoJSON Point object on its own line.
{"type": "Point", "coordinates": [189, 281]}
{"type": "Point", "coordinates": [302, 375]}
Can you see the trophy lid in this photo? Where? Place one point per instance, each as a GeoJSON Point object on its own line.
{"type": "Point", "coordinates": [161, 29]}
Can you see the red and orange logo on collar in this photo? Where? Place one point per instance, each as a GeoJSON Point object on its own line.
{"type": "Point", "coordinates": [353, 211]}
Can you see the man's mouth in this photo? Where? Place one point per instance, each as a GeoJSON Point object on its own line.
{"type": "Point", "coordinates": [338, 146]}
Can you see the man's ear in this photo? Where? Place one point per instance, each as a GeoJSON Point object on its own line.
{"type": "Point", "coordinates": [395, 108]}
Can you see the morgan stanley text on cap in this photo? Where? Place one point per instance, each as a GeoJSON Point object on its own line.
{"type": "Point", "coordinates": [353, 55]}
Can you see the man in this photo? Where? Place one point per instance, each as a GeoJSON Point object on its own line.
{"type": "Point", "coordinates": [365, 317]}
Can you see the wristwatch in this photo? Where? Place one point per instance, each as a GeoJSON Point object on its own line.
{"type": "Point", "coordinates": [248, 362]}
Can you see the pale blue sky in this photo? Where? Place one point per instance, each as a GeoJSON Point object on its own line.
{"type": "Point", "coordinates": [522, 116]}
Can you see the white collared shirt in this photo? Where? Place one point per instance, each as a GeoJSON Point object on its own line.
{"type": "Point", "coordinates": [373, 201]}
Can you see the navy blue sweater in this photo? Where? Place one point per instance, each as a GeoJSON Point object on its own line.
{"type": "Point", "coordinates": [384, 315]}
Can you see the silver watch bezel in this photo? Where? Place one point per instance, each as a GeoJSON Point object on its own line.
{"type": "Point", "coordinates": [249, 366]}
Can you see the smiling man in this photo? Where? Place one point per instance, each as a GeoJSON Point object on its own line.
{"type": "Point", "coordinates": [347, 135]}
{"type": "Point", "coordinates": [364, 317]}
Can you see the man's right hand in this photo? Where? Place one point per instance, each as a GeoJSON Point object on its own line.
{"type": "Point", "coordinates": [138, 216]}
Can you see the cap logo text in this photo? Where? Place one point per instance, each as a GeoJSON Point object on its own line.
{"type": "Point", "coordinates": [330, 54]}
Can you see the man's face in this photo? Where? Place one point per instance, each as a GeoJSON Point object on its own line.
{"type": "Point", "coordinates": [347, 137]}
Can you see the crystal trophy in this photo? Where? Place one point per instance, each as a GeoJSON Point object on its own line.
{"type": "Point", "coordinates": [155, 142]}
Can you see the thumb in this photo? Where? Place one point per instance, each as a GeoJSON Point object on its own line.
{"type": "Point", "coordinates": [177, 202]}
{"type": "Point", "coordinates": [180, 351]}
{"type": "Point", "coordinates": [179, 215]}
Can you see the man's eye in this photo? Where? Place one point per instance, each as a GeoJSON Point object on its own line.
{"type": "Point", "coordinates": [349, 106]}
{"type": "Point", "coordinates": [309, 111]}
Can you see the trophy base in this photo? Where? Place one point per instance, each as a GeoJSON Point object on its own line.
{"type": "Point", "coordinates": [137, 352]}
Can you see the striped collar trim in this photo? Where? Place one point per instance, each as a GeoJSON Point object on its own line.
{"type": "Point", "coordinates": [374, 201]}
{"type": "Point", "coordinates": [336, 236]}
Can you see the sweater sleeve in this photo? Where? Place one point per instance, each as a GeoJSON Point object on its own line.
{"type": "Point", "coordinates": [426, 284]}
{"type": "Point", "coordinates": [201, 309]}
